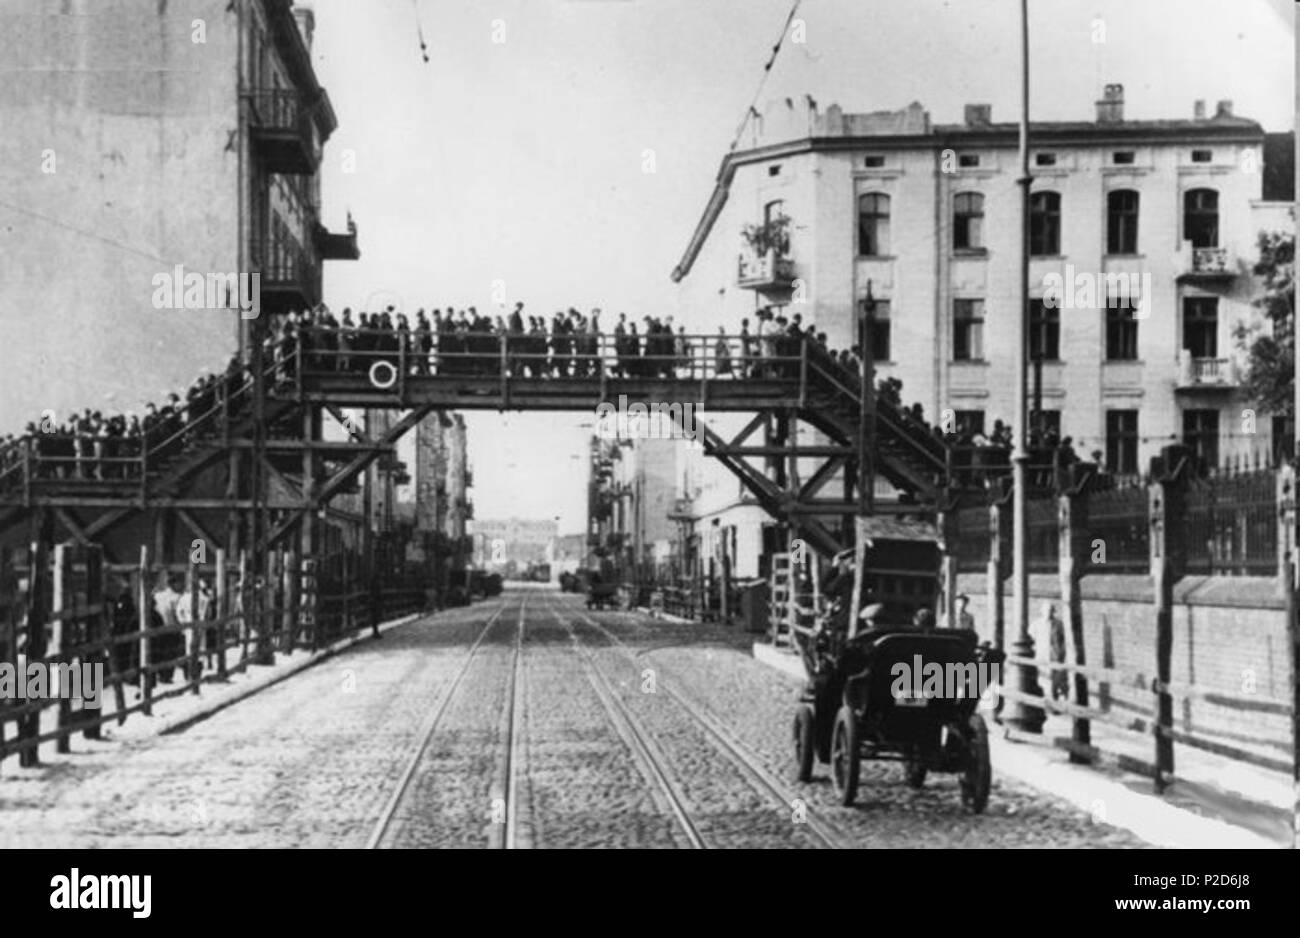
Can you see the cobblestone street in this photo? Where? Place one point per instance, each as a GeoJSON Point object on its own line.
{"type": "Point", "coordinates": [523, 721]}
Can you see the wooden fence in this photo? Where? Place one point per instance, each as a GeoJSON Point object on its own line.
{"type": "Point", "coordinates": [1175, 523]}
{"type": "Point", "coordinates": [56, 610]}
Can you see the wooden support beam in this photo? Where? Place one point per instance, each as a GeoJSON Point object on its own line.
{"type": "Point", "coordinates": [193, 524]}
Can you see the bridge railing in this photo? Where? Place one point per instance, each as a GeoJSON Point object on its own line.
{"type": "Point", "coordinates": [321, 351]}
{"type": "Point", "coordinates": [104, 458]}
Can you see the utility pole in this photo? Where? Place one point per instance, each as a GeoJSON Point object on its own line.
{"type": "Point", "coordinates": [866, 447]}
{"type": "Point", "coordinates": [1022, 716]}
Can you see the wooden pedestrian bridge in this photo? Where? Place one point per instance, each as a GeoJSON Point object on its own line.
{"type": "Point", "coordinates": [256, 445]}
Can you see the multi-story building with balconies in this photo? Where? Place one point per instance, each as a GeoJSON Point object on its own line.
{"type": "Point", "coordinates": [139, 137]}
{"type": "Point", "coordinates": [924, 217]}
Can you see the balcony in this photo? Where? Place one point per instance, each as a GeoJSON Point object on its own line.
{"type": "Point", "coordinates": [336, 247]}
{"type": "Point", "coordinates": [291, 277]}
{"type": "Point", "coordinates": [1205, 265]}
{"type": "Point", "coordinates": [284, 132]}
{"type": "Point", "coordinates": [765, 272]}
{"type": "Point", "coordinates": [1210, 374]}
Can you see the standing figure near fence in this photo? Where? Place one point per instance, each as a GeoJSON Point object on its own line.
{"type": "Point", "coordinates": [169, 647]}
{"type": "Point", "coordinates": [722, 355]}
{"type": "Point", "coordinates": [1051, 632]}
{"type": "Point", "coordinates": [126, 653]}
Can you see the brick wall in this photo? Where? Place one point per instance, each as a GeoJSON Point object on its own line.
{"type": "Point", "coordinates": [1230, 635]}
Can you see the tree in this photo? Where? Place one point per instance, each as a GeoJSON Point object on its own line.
{"type": "Point", "coordinates": [1270, 346]}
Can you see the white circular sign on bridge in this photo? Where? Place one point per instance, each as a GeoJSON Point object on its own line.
{"type": "Point", "coordinates": [379, 368]}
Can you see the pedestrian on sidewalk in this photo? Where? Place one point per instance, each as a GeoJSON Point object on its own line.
{"type": "Point", "coordinates": [1051, 632]}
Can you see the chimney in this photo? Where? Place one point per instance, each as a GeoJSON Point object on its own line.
{"type": "Point", "coordinates": [1198, 110]}
{"type": "Point", "coordinates": [306, 18]}
{"type": "Point", "coordinates": [979, 114]}
{"type": "Point", "coordinates": [1223, 108]}
{"type": "Point", "coordinates": [1110, 109]}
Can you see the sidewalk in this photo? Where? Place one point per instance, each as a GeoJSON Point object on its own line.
{"type": "Point", "coordinates": [1213, 803]}
{"type": "Point", "coordinates": [174, 714]}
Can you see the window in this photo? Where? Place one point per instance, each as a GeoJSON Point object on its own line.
{"type": "Point", "coordinates": [1122, 441]}
{"type": "Point", "coordinates": [771, 212]}
{"type": "Point", "coordinates": [1201, 218]}
{"type": "Point", "coordinates": [873, 162]}
{"type": "Point", "coordinates": [968, 330]}
{"type": "Point", "coordinates": [1201, 435]}
{"type": "Point", "coordinates": [970, 422]}
{"type": "Point", "coordinates": [1202, 156]}
{"type": "Point", "coordinates": [1122, 222]}
{"type": "Point", "coordinates": [1044, 331]}
{"type": "Point", "coordinates": [1045, 159]}
{"type": "Point", "coordinates": [1201, 326]}
{"type": "Point", "coordinates": [1045, 224]}
{"type": "Point", "coordinates": [968, 160]}
{"type": "Point", "coordinates": [873, 225]}
{"type": "Point", "coordinates": [774, 170]}
{"type": "Point", "coordinates": [1122, 157]}
{"type": "Point", "coordinates": [880, 330]}
{"type": "Point", "coordinates": [1121, 331]}
{"type": "Point", "coordinates": [968, 221]}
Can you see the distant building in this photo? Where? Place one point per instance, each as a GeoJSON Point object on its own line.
{"type": "Point", "coordinates": [139, 138]}
{"type": "Point", "coordinates": [513, 543]}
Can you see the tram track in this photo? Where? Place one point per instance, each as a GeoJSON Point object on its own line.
{"type": "Point", "coordinates": [760, 778]}
{"type": "Point", "coordinates": [383, 828]}
{"type": "Point", "coordinates": [652, 762]}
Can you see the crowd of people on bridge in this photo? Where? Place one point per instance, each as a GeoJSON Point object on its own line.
{"type": "Point", "coordinates": [570, 344]}
{"type": "Point", "coordinates": [95, 444]}
{"type": "Point", "coordinates": [114, 446]}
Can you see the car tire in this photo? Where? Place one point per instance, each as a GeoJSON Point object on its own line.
{"type": "Point", "coordinates": [845, 757]}
{"type": "Point", "coordinates": [803, 742]}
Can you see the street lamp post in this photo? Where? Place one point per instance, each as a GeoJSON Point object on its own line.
{"type": "Point", "coordinates": [1023, 716]}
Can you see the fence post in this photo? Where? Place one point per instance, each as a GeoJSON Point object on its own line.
{"type": "Point", "coordinates": [947, 525]}
{"type": "Point", "coordinates": [290, 575]}
{"type": "Point", "coordinates": [1166, 505]}
{"type": "Point", "coordinates": [1289, 569]}
{"type": "Point", "coordinates": [55, 653]}
{"type": "Point", "coordinates": [195, 636]}
{"type": "Point", "coordinates": [245, 605]}
{"type": "Point", "coordinates": [142, 594]}
{"type": "Point", "coordinates": [345, 609]}
{"type": "Point", "coordinates": [265, 614]}
{"type": "Point", "coordinates": [1073, 508]}
{"type": "Point", "coordinates": [222, 610]}
{"type": "Point", "coordinates": [999, 526]}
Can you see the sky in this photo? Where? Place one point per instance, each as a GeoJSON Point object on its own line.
{"type": "Point", "coordinates": [513, 161]}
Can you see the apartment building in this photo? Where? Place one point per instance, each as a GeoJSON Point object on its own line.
{"type": "Point", "coordinates": [142, 137]}
{"type": "Point", "coordinates": [923, 217]}
{"type": "Point", "coordinates": [926, 216]}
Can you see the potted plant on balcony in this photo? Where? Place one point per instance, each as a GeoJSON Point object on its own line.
{"type": "Point", "coordinates": [771, 236]}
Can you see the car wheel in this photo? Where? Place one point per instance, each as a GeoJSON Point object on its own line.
{"type": "Point", "coordinates": [803, 741]}
{"type": "Point", "coordinates": [915, 770]}
{"type": "Point", "coordinates": [845, 758]}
